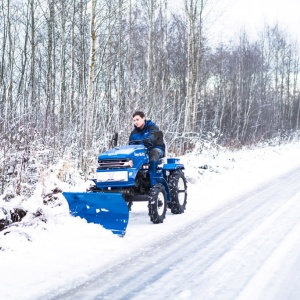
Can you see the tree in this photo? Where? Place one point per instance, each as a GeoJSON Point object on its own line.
{"type": "Point", "coordinates": [90, 99]}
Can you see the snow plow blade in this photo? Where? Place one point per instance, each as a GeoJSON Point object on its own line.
{"type": "Point", "coordinates": [107, 209]}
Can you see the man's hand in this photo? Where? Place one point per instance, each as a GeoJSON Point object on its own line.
{"type": "Point", "coordinates": [147, 143]}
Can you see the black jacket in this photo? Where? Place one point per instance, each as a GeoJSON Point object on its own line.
{"type": "Point", "coordinates": [147, 133]}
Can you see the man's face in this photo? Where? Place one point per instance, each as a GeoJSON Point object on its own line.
{"type": "Point", "coordinates": [139, 122]}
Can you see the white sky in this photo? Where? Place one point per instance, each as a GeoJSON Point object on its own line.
{"type": "Point", "coordinates": [227, 17]}
{"type": "Point", "coordinates": [253, 14]}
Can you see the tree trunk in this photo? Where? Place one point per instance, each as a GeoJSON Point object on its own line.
{"type": "Point", "coordinates": [90, 98]}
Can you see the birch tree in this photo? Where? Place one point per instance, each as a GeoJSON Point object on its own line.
{"type": "Point", "coordinates": [90, 98]}
{"type": "Point", "coordinates": [194, 10]}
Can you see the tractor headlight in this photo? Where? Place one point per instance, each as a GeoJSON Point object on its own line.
{"type": "Point", "coordinates": [129, 163]}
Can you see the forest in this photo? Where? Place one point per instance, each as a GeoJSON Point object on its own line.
{"type": "Point", "coordinates": [72, 72]}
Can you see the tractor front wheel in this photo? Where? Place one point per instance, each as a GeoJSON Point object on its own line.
{"type": "Point", "coordinates": [157, 204]}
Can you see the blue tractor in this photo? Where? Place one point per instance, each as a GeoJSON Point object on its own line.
{"type": "Point", "coordinates": [122, 178]}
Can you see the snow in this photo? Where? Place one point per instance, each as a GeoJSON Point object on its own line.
{"type": "Point", "coordinates": [43, 257]}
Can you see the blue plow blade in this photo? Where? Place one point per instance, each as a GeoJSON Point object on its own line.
{"type": "Point", "coordinates": [107, 209]}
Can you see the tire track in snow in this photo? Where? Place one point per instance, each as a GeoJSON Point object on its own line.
{"type": "Point", "coordinates": [215, 257]}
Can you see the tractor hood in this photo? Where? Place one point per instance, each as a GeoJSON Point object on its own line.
{"type": "Point", "coordinates": [124, 152]}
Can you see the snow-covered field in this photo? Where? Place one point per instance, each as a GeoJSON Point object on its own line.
{"type": "Point", "coordinates": [49, 258]}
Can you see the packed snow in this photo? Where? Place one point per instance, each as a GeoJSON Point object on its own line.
{"type": "Point", "coordinates": [37, 258]}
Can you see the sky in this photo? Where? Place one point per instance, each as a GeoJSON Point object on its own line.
{"type": "Point", "coordinates": [227, 17]}
{"type": "Point", "coordinates": [39, 259]}
{"type": "Point", "coordinates": [254, 13]}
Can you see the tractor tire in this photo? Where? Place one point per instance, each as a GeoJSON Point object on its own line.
{"type": "Point", "coordinates": [157, 204]}
{"type": "Point", "coordinates": [178, 191]}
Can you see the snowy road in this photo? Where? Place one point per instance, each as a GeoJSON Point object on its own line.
{"type": "Point", "coordinates": [247, 249]}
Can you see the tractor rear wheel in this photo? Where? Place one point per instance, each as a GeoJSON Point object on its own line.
{"type": "Point", "coordinates": [178, 190]}
{"type": "Point", "coordinates": [157, 204]}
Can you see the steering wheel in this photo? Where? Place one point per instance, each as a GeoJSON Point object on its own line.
{"type": "Point", "coordinates": [136, 142]}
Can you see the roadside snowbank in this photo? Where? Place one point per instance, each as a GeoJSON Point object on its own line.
{"type": "Point", "coordinates": [41, 258]}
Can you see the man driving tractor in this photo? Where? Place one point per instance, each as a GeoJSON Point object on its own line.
{"type": "Point", "coordinates": [144, 131]}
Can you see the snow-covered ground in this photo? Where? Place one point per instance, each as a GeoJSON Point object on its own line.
{"type": "Point", "coordinates": [50, 258]}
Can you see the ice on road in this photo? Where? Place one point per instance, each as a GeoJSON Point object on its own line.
{"type": "Point", "coordinates": [246, 249]}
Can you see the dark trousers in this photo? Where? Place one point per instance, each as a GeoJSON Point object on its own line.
{"type": "Point", "coordinates": [154, 156]}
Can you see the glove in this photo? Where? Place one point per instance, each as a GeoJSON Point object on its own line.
{"type": "Point", "coordinates": [147, 143]}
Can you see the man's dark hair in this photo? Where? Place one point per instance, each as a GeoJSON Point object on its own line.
{"type": "Point", "coordinates": [138, 113]}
